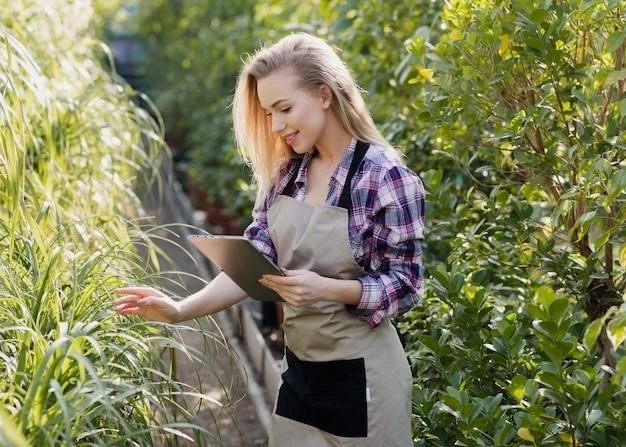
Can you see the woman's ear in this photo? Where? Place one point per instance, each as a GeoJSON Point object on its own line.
{"type": "Point", "coordinates": [326, 95]}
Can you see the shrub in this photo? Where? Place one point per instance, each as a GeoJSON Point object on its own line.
{"type": "Point", "coordinates": [520, 338]}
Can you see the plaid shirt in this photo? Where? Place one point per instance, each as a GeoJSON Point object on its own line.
{"type": "Point", "coordinates": [385, 227]}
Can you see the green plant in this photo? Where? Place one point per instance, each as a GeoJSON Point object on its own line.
{"type": "Point", "coordinates": [520, 339]}
{"type": "Point", "coordinates": [373, 38]}
{"type": "Point", "coordinates": [72, 149]}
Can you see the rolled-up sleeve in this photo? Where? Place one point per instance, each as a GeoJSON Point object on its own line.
{"type": "Point", "coordinates": [258, 230]}
{"type": "Point", "coordinates": [395, 282]}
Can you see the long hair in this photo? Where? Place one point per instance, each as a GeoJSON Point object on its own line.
{"type": "Point", "coordinates": [316, 64]}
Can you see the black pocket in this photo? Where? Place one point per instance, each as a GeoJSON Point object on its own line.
{"type": "Point", "coordinates": [326, 395]}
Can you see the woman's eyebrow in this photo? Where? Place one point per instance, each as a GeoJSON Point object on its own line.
{"type": "Point", "coordinates": [277, 102]}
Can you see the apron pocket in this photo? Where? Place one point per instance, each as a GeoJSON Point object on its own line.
{"type": "Point", "coordinates": [327, 395]}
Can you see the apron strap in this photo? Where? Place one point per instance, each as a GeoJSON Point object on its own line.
{"type": "Point", "coordinates": [345, 201]}
{"type": "Point", "coordinates": [287, 190]}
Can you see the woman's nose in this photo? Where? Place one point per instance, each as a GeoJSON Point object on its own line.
{"type": "Point", "coordinates": [278, 123]}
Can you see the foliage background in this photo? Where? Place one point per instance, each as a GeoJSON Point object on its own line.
{"type": "Point", "coordinates": [513, 114]}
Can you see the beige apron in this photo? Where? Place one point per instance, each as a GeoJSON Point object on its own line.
{"type": "Point", "coordinates": [343, 383]}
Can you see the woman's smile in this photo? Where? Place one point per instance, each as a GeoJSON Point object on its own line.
{"type": "Point", "coordinates": [290, 139]}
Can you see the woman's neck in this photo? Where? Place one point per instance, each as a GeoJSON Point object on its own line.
{"type": "Point", "coordinates": [332, 145]}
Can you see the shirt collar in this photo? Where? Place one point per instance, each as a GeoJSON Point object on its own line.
{"type": "Point", "coordinates": [304, 165]}
{"type": "Point", "coordinates": [341, 173]}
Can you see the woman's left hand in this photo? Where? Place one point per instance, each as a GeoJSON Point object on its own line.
{"type": "Point", "coordinates": [298, 287]}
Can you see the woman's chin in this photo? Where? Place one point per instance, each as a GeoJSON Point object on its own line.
{"type": "Point", "coordinates": [300, 149]}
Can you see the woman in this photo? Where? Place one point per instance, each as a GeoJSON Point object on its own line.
{"type": "Point", "coordinates": [343, 216]}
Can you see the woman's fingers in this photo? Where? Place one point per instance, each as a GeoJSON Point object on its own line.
{"type": "Point", "coordinates": [129, 310]}
{"type": "Point", "coordinates": [126, 299]}
{"type": "Point", "coordinates": [128, 305]}
{"type": "Point", "coordinates": [294, 272]}
{"type": "Point", "coordinates": [273, 281]}
{"type": "Point", "coordinates": [141, 291]}
{"type": "Point", "coordinates": [135, 296]}
{"type": "Point", "coordinates": [135, 301]}
{"type": "Point", "coordinates": [146, 302]}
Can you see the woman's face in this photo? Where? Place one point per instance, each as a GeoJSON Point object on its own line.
{"type": "Point", "coordinates": [297, 115]}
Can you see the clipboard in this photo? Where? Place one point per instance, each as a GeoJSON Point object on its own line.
{"type": "Point", "coordinates": [241, 261]}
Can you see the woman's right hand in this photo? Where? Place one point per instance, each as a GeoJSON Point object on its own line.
{"type": "Point", "coordinates": [147, 302]}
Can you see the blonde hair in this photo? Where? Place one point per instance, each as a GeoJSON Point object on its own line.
{"type": "Point", "coordinates": [316, 64]}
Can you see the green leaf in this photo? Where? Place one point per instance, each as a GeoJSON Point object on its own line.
{"type": "Point", "coordinates": [614, 77]}
{"type": "Point", "coordinates": [538, 15]}
{"type": "Point", "coordinates": [430, 342]}
{"type": "Point", "coordinates": [616, 330]}
{"type": "Point", "coordinates": [537, 312]}
{"type": "Point", "coordinates": [621, 106]}
{"type": "Point", "coordinates": [551, 380]}
{"type": "Point", "coordinates": [578, 259]}
{"type": "Point", "coordinates": [615, 40]}
{"type": "Point", "coordinates": [602, 239]}
{"type": "Point", "coordinates": [456, 283]}
{"type": "Point", "coordinates": [440, 274]}
{"type": "Point", "coordinates": [587, 217]}
{"type": "Point", "coordinates": [617, 183]}
{"type": "Point", "coordinates": [622, 255]}
{"type": "Point", "coordinates": [547, 329]}
{"type": "Point", "coordinates": [446, 409]}
{"type": "Point", "coordinates": [594, 417]}
{"type": "Point", "coordinates": [602, 165]}
{"type": "Point", "coordinates": [556, 351]}
{"type": "Point", "coordinates": [504, 434]}
{"type": "Point", "coordinates": [620, 368]}
{"type": "Point", "coordinates": [544, 295]}
{"type": "Point", "coordinates": [558, 309]}
{"type": "Point", "coordinates": [525, 434]}
{"type": "Point", "coordinates": [547, 393]}
{"type": "Point", "coordinates": [584, 223]}
{"type": "Point", "coordinates": [517, 387]}
{"type": "Point", "coordinates": [592, 332]}
{"type": "Point", "coordinates": [432, 179]}
{"type": "Point", "coordinates": [10, 435]}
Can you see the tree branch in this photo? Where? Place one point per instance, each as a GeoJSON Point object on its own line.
{"type": "Point", "coordinates": [608, 248]}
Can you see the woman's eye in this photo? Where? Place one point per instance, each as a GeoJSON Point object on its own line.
{"type": "Point", "coordinates": [286, 110]}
